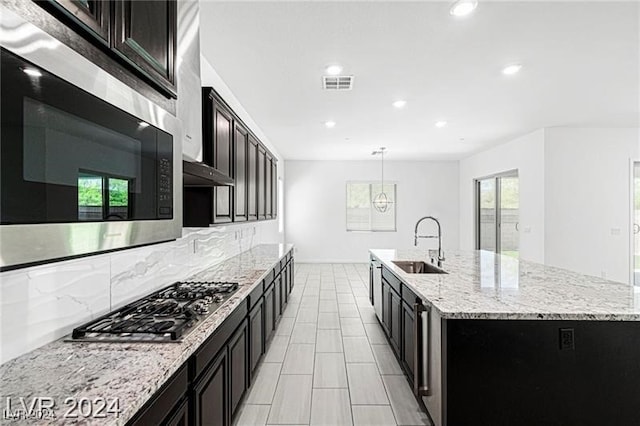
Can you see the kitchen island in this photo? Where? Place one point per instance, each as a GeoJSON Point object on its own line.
{"type": "Point", "coordinates": [498, 341]}
{"type": "Point", "coordinates": [102, 383]}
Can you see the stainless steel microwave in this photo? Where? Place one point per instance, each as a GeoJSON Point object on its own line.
{"type": "Point", "coordinates": [79, 173]}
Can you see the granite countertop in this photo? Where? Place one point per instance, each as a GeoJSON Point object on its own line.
{"type": "Point", "coordinates": [484, 285]}
{"type": "Point", "coordinates": [130, 372]}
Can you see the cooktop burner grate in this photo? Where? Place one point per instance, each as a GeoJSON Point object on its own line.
{"type": "Point", "coordinates": [166, 315]}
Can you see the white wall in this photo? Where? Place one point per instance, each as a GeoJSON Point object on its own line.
{"type": "Point", "coordinates": [575, 196]}
{"type": "Point", "coordinates": [43, 303]}
{"type": "Point", "coordinates": [315, 210]}
{"type": "Point", "coordinates": [587, 209]}
{"type": "Point", "coordinates": [526, 154]}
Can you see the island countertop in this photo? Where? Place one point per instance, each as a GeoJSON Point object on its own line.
{"type": "Point", "coordinates": [127, 372]}
{"type": "Point", "coordinates": [485, 285]}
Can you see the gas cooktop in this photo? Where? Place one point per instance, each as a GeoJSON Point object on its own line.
{"type": "Point", "coordinates": [167, 315]}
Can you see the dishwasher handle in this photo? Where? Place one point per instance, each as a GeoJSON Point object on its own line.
{"type": "Point", "coordinates": [420, 350]}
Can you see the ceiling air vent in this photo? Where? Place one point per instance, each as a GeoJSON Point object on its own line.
{"type": "Point", "coordinates": [337, 82]}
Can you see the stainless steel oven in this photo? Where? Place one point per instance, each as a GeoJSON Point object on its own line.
{"type": "Point", "coordinates": [86, 164]}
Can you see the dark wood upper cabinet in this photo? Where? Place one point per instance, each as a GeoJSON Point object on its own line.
{"type": "Point", "coordinates": [218, 132]}
{"type": "Point", "coordinates": [262, 156]}
{"type": "Point", "coordinates": [92, 15]}
{"type": "Point", "coordinates": [268, 187]}
{"type": "Point", "coordinates": [252, 178]}
{"type": "Point", "coordinates": [237, 155]}
{"type": "Point", "coordinates": [274, 188]}
{"type": "Point", "coordinates": [240, 142]}
{"type": "Point", "coordinates": [145, 36]}
{"type": "Point", "coordinates": [140, 35]}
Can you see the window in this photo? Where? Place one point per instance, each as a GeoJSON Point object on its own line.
{"type": "Point", "coordinates": [102, 197]}
{"type": "Point", "coordinates": [497, 214]}
{"type": "Point", "coordinates": [361, 216]}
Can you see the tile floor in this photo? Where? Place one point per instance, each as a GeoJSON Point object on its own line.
{"type": "Point", "coordinates": [329, 362]}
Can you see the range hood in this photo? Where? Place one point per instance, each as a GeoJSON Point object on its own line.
{"type": "Point", "coordinates": [197, 174]}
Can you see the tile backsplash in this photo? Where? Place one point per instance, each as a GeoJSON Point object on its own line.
{"type": "Point", "coordinates": [43, 303]}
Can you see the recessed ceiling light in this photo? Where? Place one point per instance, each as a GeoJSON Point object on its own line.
{"type": "Point", "coordinates": [511, 69]}
{"type": "Point", "coordinates": [32, 72]}
{"type": "Point", "coordinates": [330, 124]}
{"type": "Point", "coordinates": [441, 124]}
{"type": "Point", "coordinates": [143, 124]}
{"type": "Point", "coordinates": [334, 69]}
{"type": "Point", "coordinates": [463, 7]}
{"type": "Point", "coordinates": [399, 104]}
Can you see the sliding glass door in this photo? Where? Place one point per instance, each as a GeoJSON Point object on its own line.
{"type": "Point", "coordinates": [498, 214]}
{"type": "Point", "coordinates": [636, 224]}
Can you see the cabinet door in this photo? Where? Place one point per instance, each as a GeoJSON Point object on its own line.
{"type": "Point", "coordinates": [222, 161]}
{"type": "Point", "coordinates": [92, 15]}
{"type": "Point", "coordinates": [268, 185]}
{"type": "Point", "coordinates": [180, 416]}
{"type": "Point", "coordinates": [386, 308]}
{"type": "Point", "coordinates": [269, 312]}
{"type": "Point", "coordinates": [145, 36]}
{"type": "Point", "coordinates": [291, 275]}
{"type": "Point", "coordinates": [408, 348]}
{"type": "Point", "coordinates": [286, 285]}
{"type": "Point", "coordinates": [256, 332]}
{"type": "Point", "coordinates": [240, 174]}
{"type": "Point", "coordinates": [262, 156]}
{"type": "Point", "coordinates": [274, 188]}
{"type": "Point", "coordinates": [252, 178]}
{"type": "Point", "coordinates": [283, 291]}
{"type": "Point", "coordinates": [166, 404]}
{"type": "Point", "coordinates": [211, 394]}
{"type": "Point", "coordinates": [277, 299]}
{"type": "Point", "coordinates": [238, 359]}
{"type": "Point", "coordinates": [395, 330]}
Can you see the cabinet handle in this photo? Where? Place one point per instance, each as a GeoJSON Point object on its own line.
{"type": "Point", "coordinates": [420, 359]}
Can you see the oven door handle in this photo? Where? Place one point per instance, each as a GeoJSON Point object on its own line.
{"type": "Point", "coordinates": [420, 354]}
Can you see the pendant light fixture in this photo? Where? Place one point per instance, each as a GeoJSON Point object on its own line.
{"type": "Point", "coordinates": [381, 201]}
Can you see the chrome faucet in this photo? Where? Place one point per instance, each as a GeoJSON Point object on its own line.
{"type": "Point", "coordinates": [439, 237]}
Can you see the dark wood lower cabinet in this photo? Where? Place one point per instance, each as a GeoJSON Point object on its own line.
{"type": "Point", "coordinates": [209, 388]}
{"type": "Point", "coordinates": [256, 333]}
{"type": "Point", "coordinates": [396, 329]}
{"type": "Point", "coordinates": [269, 312]}
{"type": "Point", "coordinates": [181, 415]}
{"type": "Point", "coordinates": [386, 307]}
{"type": "Point", "coordinates": [408, 348]}
{"type": "Point", "coordinates": [277, 299]}
{"type": "Point", "coordinates": [164, 406]}
{"type": "Point", "coordinates": [238, 363]}
{"type": "Point", "coordinates": [211, 397]}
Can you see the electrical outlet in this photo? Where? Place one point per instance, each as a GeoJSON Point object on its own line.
{"type": "Point", "coordinates": [603, 274]}
{"type": "Point", "coordinates": [615, 231]}
{"type": "Point", "coordinates": [567, 341]}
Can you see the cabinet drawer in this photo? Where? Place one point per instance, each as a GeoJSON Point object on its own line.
{"type": "Point", "coordinates": [255, 295]}
{"type": "Point", "coordinates": [409, 296]}
{"type": "Point", "coordinates": [160, 407]}
{"type": "Point", "coordinates": [268, 280]}
{"type": "Point", "coordinates": [391, 279]}
{"type": "Point", "coordinates": [215, 342]}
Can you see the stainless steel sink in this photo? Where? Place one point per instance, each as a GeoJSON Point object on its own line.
{"type": "Point", "coordinates": [417, 267]}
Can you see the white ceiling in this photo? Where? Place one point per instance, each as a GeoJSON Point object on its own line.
{"type": "Point", "coordinates": [581, 68]}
